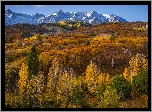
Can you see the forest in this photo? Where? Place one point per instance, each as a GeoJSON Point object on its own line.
{"type": "Point", "coordinates": [76, 65]}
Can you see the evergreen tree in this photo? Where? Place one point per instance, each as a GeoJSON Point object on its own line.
{"type": "Point", "coordinates": [32, 62]}
{"type": "Point", "coordinates": [39, 38]}
{"type": "Point", "coordinates": [110, 98]}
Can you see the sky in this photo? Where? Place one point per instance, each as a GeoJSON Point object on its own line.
{"type": "Point", "coordinates": [129, 12]}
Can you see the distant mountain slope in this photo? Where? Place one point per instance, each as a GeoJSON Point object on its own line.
{"type": "Point", "coordinates": [88, 17]}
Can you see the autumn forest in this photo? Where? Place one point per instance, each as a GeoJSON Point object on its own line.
{"type": "Point", "coordinates": [76, 65]}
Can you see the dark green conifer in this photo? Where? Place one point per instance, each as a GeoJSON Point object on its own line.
{"type": "Point", "coordinates": [32, 62]}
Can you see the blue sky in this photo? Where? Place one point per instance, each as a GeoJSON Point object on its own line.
{"type": "Point", "coordinates": [128, 12]}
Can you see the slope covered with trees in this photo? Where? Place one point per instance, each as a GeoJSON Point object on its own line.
{"type": "Point", "coordinates": [100, 66]}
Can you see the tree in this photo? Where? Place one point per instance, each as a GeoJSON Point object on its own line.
{"type": "Point", "coordinates": [11, 79]}
{"type": "Point", "coordinates": [122, 86]}
{"type": "Point", "coordinates": [87, 42]}
{"type": "Point", "coordinates": [138, 63]}
{"type": "Point", "coordinates": [26, 34]}
{"type": "Point", "coordinates": [104, 78]}
{"type": "Point", "coordinates": [112, 38]}
{"type": "Point", "coordinates": [53, 75]}
{"type": "Point", "coordinates": [9, 40]}
{"type": "Point", "coordinates": [110, 98]}
{"type": "Point", "coordinates": [39, 37]}
{"type": "Point", "coordinates": [77, 99]}
{"type": "Point", "coordinates": [44, 62]}
{"type": "Point", "coordinates": [32, 62]}
{"type": "Point", "coordinates": [64, 86]}
{"type": "Point", "coordinates": [92, 73]}
{"type": "Point", "coordinates": [23, 74]}
{"type": "Point", "coordinates": [140, 82]}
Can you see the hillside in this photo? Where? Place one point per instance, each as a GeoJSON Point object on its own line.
{"type": "Point", "coordinates": [17, 31]}
{"type": "Point", "coordinates": [76, 65]}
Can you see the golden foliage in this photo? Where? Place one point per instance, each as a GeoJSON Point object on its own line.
{"type": "Point", "coordinates": [33, 37]}
{"type": "Point", "coordinates": [26, 39]}
{"type": "Point", "coordinates": [138, 63]}
{"type": "Point", "coordinates": [72, 52]}
{"type": "Point", "coordinates": [64, 85]}
{"type": "Point", "coordinates": [127, 75]}
{"type": "Point", "coordinates": [13, 101]}
{"type": "Point", "coordinates": [103, 78]}
{"type": "Point", "coordinates": [77, 82]}
{"type": "Point", "coordinates": [44, 62]}
{"type": "Point", "coordinates": [36, 85]}
{"type": "Point", "coordinates": [22, 83]}
{"type": "Point", "coordinates": [50, 81]}
{"type": "Point", "coordinates": [92, 73]}
{"type": "Point", "coordinates": [53, 75]}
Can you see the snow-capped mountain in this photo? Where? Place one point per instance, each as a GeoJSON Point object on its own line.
{"type": "Point", "coordinates": [90, 17]}
{"type": "Point", "coordinates": [114, 18]}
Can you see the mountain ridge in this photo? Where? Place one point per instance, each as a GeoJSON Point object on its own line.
{"type": "Point", "coordinates": [90, 17]}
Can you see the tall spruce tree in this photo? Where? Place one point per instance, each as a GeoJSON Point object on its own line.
{"type": "Point", "coordinates": [32, 62]}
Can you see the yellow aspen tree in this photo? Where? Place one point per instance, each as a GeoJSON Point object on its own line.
{"type": "Point", "coordinates": [23, 73]}
{"type": "Point", "coordinates": [53, 75]}
{"type": "Point", "coordinates": [126, 74]}
{"type": "Point", "coordinates": [63, 84]}
{"type": "Point", "coordinates": [36, 85]}
{"type": "Point", "coordinates": [138, 63]}
{"type": "Point", "coordinates": [107, 78]}
{"type": "Point", "coordinates": [92, 73]}
{"type": "Point", "coordinates": [44, 65]}
{"type": "Point", "coordinates": [50, 80]}
{"type": "Point", "coordinates": [103, 78]}
{"type": "Point", "coordinates": [145, 63]}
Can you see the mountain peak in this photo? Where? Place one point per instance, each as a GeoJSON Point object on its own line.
{"type": "Point", "coordinates": [112, 15]}
{"type": "Point", "coordinates": [60, 11]}
{"type": "Point", "coordinates": [8, 11]}
{"type": "Point", "coordinates": [93, 12]}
